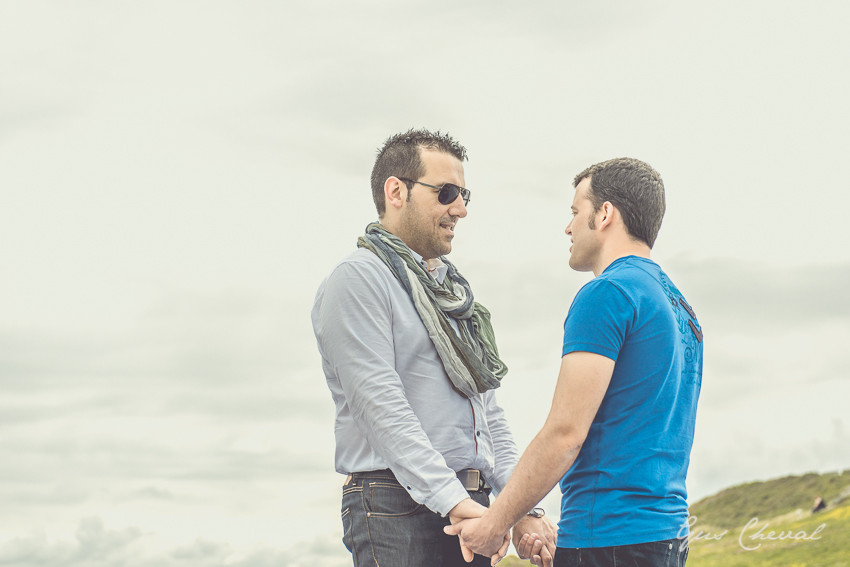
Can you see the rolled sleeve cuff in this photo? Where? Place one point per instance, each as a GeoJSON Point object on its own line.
{"type": "Point", "coordinates": [443, 500]}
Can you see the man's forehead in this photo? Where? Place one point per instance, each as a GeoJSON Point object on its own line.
{"type": "Point", "coordinates": [581, 190]}
{"type": "Point", "coordinates": [440, 163]}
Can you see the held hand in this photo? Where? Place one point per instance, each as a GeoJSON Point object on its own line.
{"type": "Point", "coordinates": [466, 508]}
{"type": "Point", "coordinates": [500, 554]}
{"type": "Point", "coordinates": [475, 535]}
{"type": "Point", "coordinates": [535, 539]}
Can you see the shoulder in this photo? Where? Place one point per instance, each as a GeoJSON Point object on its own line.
{"type": "Point", "coordinates": [609, 294]}
{"type": "Point", "coordinates": [601, 288]}
{"type": "Point", "coordinates": [630, 275]}
{"type": "Point", "coordinates": [360, 267]}
{"type": "Point", "coordinates": [361, 261]}
{"type": "Point", "coordinates": [360, 273]}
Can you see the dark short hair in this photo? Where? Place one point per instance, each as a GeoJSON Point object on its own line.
{"type": "Point", "coordinates": [632, 186]}
{"type": "Point", "coordinates": [399, 157]}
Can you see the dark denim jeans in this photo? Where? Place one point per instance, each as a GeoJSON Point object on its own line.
{"type": "Point", "coordinates": [383, 526]}
{"type": "Point", "coordinates": [667, 553]}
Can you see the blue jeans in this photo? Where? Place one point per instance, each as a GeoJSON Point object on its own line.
{"type": "Point", "coordinates": [667, 553]}
{"type": "Point", "coordinates": [383, 526]}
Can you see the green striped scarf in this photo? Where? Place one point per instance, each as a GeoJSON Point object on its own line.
{"type": "Point", "coordinates": [470, 357]}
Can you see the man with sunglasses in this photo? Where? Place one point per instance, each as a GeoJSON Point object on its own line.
{"type": "Point", "coordinates": [412, 364]}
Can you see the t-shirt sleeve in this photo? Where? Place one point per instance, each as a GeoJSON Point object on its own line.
{"type": "Point", "coordinates": [599, 320]}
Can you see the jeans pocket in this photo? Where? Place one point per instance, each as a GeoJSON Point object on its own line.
{"type": "Point", "coordinates": [352, 504]}
{"type": "Point", "coordinates": [384, 499]}
{"type": "Point", "coordinates": [346, 530]}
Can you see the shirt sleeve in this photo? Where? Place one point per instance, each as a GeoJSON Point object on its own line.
{"type": "Point", "coordinates": [599, 320]}
{"type": "Point", "coordinates": [354, 331]}
{"type": "Point", "coordinates": [505, 451]}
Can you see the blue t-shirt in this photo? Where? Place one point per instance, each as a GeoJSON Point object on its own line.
{"type": "Point", "coordinates": [627, 484]}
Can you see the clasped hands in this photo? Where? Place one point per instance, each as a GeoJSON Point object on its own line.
{"type": "Point", "coordinates": [534, 538]}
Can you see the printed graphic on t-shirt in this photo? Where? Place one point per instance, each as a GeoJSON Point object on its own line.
{"type": "Point", "coordinates": [689, 329]}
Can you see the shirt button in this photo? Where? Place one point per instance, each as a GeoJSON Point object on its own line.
{"type": "Point", "coordinates": [478, 433]}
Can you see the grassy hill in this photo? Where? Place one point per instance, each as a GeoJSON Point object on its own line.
{"type": "Point", "coordinates": [787, 533]}
{"type": "Point", "coordinates": [736, 506]}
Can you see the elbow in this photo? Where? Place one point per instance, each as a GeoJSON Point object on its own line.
{"type": "Point", "coordinates": [571, 447]}
{"type": "Point", "coordinates": [568, 440]}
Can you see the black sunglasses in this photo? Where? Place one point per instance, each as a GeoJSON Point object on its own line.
{"type": "Point", "coordinates": [448, 192]}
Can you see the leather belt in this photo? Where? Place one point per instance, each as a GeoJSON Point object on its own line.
{"type": "Point", "coordinates": [472, 479]}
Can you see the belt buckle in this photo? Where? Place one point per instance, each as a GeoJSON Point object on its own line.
{"type": "Point", "coordinates": [473, 479]}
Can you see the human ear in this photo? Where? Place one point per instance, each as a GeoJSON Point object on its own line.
{"type": "Point", "coordinates": [606, 211]}
{"type": "Point", "coordinates": [393, 192]}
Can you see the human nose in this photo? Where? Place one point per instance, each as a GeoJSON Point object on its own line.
{"type": "Point", "coordinates": [458, 208]}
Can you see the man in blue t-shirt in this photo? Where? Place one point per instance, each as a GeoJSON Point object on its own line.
{"type": "Point", "coordinates": [621, 427]}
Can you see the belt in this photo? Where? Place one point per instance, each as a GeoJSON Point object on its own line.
{"type": "Point", "coordinates": [472, 479]}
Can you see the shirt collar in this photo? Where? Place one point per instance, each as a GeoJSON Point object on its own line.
{"type": "Point", "coordinates": [436, 267]}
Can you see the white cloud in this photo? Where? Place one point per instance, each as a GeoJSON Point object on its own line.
{"type": "Point", "coordinates": [95, 545]}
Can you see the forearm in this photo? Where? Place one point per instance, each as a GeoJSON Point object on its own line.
{"type": "Point", "coordinates": [400, 441]}
{"type": "Point", "coordinates": [582, 382]}
{"type": "Point", "coordinates": [548, 457]}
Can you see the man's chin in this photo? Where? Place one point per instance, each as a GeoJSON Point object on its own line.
{"type": "Point", "coordinates": [580, 267]}
{"type": "Point", "coordinates": [575, 265]}
{"type": "Point", "coordinates": [444, 248]}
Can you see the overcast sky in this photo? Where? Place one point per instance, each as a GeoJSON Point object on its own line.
{"type": "Point", "coordinates": [177, 177]}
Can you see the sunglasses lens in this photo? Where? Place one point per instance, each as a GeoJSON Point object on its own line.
{"type": "Point", "coordinates": [448, 193]}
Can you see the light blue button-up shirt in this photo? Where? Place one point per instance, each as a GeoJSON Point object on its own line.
{"type": "Point", "coordinates": [395, 406]}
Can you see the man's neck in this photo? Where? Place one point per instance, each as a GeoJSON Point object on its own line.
{"type": "Point", "coordinates": [608, 257]}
